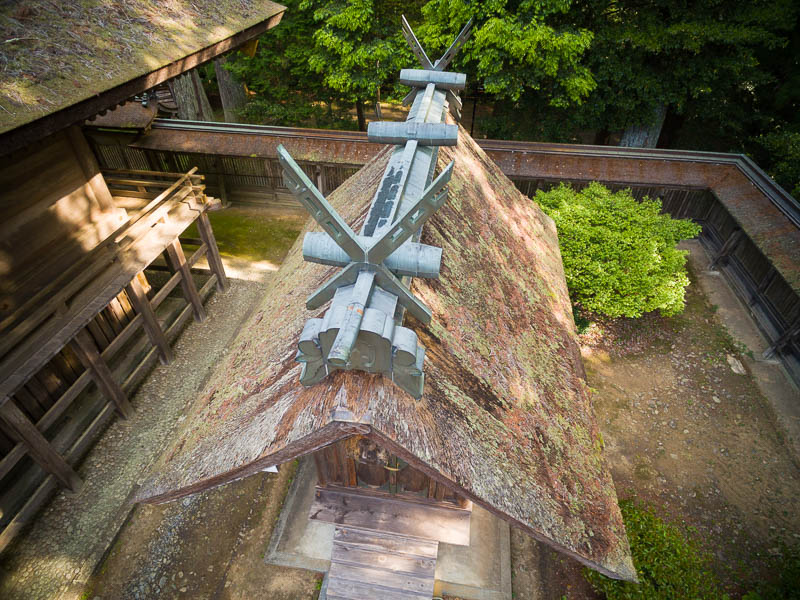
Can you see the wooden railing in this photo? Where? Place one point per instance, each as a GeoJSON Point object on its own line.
{"type": "Point", "coordinates": [73, 332]}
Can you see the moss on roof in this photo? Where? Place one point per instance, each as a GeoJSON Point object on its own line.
{"type": "Point", "coordinates": [55, 54]}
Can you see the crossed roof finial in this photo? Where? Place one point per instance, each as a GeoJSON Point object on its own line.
{"type": "Point", "coordinates": [362, 328]}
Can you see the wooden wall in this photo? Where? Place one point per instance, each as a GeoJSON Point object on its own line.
{"type": "Point", "coordinates": [81, 322]}
{"type": "Point", "coordinates": [54, 208]}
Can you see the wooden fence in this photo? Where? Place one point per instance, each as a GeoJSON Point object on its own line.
{"type": "Point", "coordinates": [683, 190]}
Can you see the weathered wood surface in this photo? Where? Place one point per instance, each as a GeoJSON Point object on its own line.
{"type": "Point", "coordinates": [392, 515]}
{"type": "Point", "coordinates": [369, 564]}
{"type": "Point", "coordinates": [506, 418]}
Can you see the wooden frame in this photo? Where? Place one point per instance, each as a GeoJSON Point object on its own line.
{"type": "Point", "coordinates": [80, 326]}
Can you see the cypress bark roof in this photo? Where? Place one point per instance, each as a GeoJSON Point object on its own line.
{"type": "Point", "coordinates": [506, 417]}
{"type": "Point", "coordinates": [58, 54]}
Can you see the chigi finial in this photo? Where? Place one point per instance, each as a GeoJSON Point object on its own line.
{"type": "Point", "coordinates": [363, 329]}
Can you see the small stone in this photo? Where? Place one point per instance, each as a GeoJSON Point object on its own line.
{"type": "Point", "coordinates": [716, 399]}
{"type": "Point", "coordinates": [180, 574]}
{"type": "Point", "coordinates": [162, 582]}
{"type": "Point", "coordinates": [685, 431]}
{"type": "Point", "coordinates": [673, 456]}
{"type": "Point", "coordinates": [183, 590]}
{"type": "Point", "coordinates": [736, 365]}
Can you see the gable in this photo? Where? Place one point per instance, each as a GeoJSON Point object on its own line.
{"type": "Point", "coordinates": [505, 418]}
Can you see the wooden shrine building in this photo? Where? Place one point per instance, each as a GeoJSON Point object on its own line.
{"type": "Point", "coordinates": [505, 420]}
{"type": "Point", "coordinates": [80, 320]}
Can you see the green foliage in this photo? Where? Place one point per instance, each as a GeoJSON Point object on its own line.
{"type": "Point", "coordinates": [670, 565]}
{"type": "Point", "coordinates": [619, 254]}
{"type": "Point", "coordinates": [783, 151]}
{"type": "Point", "coordinates": [358, 44]}
{"type": "Point", "coordinates": [515, 46]}
{"type": "Point", "coordinates": [674, 51]}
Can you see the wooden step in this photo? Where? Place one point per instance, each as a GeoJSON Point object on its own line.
{"type": "Point", "coordinates": [431, 522]}
{"type": "Point", "coordinates": [371, 564]}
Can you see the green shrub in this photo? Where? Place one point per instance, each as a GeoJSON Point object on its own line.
{"type": "Point", "coordinates": [670, 565]}
{"type": "Point", "coordinates": [619, 254]}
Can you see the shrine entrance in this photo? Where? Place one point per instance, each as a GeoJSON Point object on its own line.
{"type": "Point", "coordinates": [362, 465]}
{"type": "Point", "coordinates": [390, 518]}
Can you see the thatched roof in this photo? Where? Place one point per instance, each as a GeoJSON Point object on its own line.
{"type": "Point", "coordinates": [506, 417]}
{"type": "Point", "coordinates": [57, 54]}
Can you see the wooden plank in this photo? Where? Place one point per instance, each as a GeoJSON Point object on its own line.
{"type": "Point", "coordinates": [38, 447]}
{"type": "Point", "coordinates": [355, 555]}
{"type": "Point", "coordinates": [87, 352]}
{"type": "Point", "coordinates": [116, 315]}
{"type": "Point", "coordinates": [342, 589]}
{"type": "Point", "coordinates": [165, 290]}
{"type": "Point", "coordinates": [29, 403]}
{"type": "Point", "coordinates": [383, 580]}
{"type": "Point", "coordinates": [352, 509]}
{"type": "Point", "coordinates": [125, 302]}
{"type": "Point", "coordinates": [177, 260]}
{"type": "Point", "coordinates": [380, 541]}
{"type": "Point", "coordinates": [86, 159]}
{"type": "Point", "coordinates": [142, 305]}
{"type": "Point", "coordinates": [214, 259]}
{"type": "Point", "coordinates": [98, 335]}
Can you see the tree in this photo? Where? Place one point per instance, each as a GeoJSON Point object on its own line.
{"type": "Point", "coordinates": [358, 46]}
{"type": "Point", "coordinates": [515, 47]}
{"type": "Point", "coordinates": [619, 254]}
{"type": "Point", "coordinates": [231, 91]}
{"type": "Point", "coordinates": [190, 96]}
{"type": "Point", "coordinates": [659, 56]}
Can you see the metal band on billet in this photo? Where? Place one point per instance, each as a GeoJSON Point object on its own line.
{"type": "Point", "coordinates": [363, 329]}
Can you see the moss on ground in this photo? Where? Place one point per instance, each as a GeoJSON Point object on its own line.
{"type": "Point", "coordinates": [248, 234]}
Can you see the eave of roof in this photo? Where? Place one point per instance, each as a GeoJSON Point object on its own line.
{"type": "Point", "coordinates": [506, 416]}
{"type": "Point", "coordinates": [65, 62]}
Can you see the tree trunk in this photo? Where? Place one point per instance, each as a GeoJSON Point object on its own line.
{"type": "Point", "coordinates": [362, 122]}
{"type": "Point", "coordinates": [645, 136]}
{"type": "Point", "coordinates": [231, 91]}
{"type": "Point", "coordinates": [193, 104]}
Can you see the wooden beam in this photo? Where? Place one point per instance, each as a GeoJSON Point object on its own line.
{"type": "Point", "coordinates": [212, 251]}
{"type": "Point", "coordinates": [85, 348]}
{"type": "Point", "coordinates": [142, 306]}
{"type": "Point", "coordinates": [90, 168]}
{"type": "Point", "coordinates": [727, 248]}
{"type": "Point", "coordinates": [38, 447]}
{"type": "Point", "coordinates": [177, 260]}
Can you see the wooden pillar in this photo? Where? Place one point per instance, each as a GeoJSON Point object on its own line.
{"type": "Point", "coordinates": [212, 251]}
{"type": "Point", "coordinates": [142, 306]}
{"type": "Point", "coordinates": [177, 261]}
{"type": "Point", "coordinates": [322, 471]}
{"type": "Point", "coordinates": [785, 338]}
{"type": "Point", "coordinates": [37, 446]}
{"type": "Point", "coordinates": [85, 348]}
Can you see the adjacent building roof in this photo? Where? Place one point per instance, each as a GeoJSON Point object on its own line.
{"type": "Point", "coordinates": [506, 416]}
{"type": "Point", "coordinates": [65, 61]}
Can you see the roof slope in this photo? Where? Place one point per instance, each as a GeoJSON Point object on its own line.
{"type": "Point", "coordinates": [506, 417]}
{"type": "Point", "coordinates": [58, 53]}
